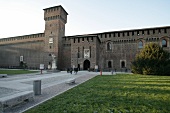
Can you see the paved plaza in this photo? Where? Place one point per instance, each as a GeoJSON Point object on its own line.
{"type": "Point", "coordinates": [52, 84]}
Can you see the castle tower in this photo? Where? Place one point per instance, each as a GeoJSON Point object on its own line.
{"type": "Point", "coordinates": [55, 20]}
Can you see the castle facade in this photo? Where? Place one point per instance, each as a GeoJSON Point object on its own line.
{"type": "Point", "coordinates": [106, 50]}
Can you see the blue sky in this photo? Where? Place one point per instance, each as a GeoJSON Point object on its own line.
{"type": "Point", "coordinates": [23, 17]}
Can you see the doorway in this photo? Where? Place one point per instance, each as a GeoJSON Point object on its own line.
{"type": "Point", "coordinates": [86, 65]}
{"type": "Point", "coordinates": [123, 64]}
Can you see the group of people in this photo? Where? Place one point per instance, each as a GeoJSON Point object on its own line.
{"type": "Point", "coordinates": [70, 70]}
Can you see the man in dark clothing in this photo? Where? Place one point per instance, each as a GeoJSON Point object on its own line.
{"type": "Point", "coordinates": [71, 70]}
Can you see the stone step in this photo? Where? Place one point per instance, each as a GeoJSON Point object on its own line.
{"type": "Point", "coordinates": [15, 99]}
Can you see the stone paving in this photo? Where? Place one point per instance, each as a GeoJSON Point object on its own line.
{"type": "Point", "coordinates": [52, 84]}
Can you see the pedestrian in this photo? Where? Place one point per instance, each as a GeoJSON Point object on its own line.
{"type": "Point", "coordinates": [68, 70]}
{"type": "Point", "coordinates": [75, 70]}
{"type": "Point", "coordinates": [71, 70]}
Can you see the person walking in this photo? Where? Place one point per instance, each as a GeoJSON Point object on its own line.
{"type": "Point", "coordinates": [71, 70]}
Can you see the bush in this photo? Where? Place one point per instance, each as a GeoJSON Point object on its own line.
{"type": "Point", "coordinates": [152, 60]}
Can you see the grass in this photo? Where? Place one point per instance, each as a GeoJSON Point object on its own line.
{"type": "Point", "coordinates": [14, 72]}
{"type": "Point", "coordinates": [113, 94]}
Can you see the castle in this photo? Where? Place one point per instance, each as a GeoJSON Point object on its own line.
{"type": "Point", "coordinates": [106, 50]}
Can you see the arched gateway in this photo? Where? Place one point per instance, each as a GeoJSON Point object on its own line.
{"type": "Point", "coordinates": [86, 65]}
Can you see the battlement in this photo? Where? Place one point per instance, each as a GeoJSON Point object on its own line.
{"type": "Point", "coordinates": [55, 13]}
{"type": "Point", "coordinates": [25, 38]}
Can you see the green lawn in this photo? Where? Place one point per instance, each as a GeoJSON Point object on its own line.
{"type": "Point", "coordinates": [113, 94]}
{"type": "Point", "coordinates": [14, 72]}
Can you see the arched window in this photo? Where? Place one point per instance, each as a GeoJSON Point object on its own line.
{"type": "Point", "coordinates": [109, 47]}
{"type": "Point", "coordinates": [164, 43]}
{"type": "Point", "coordinates": [140, 44]}
{"type": "Point", "coordinates": [109, 64]}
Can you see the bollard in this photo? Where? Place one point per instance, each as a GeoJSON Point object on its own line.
{"type": "Point", "coordinates": [100, 72]}
{"type": "Point", "coordinates": [37, 87]}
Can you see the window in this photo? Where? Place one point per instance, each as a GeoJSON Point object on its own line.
{"type": "Point", "coordinates": [90, 51]}
{"type": "Point", "coordinates": [109, 47]}
{"type": "Point", "coordinates": [140, 44]}
{"type": "Point", "coordinates": [78, 53]}
{"type": "Point", "coordinates": [109, 64]}
{"type": "Point", "coordinates": [164, 43]}
{"type": "Point", "coordinates": [123, 64]}
{"type": "Point", "coordinates": [21, 58]}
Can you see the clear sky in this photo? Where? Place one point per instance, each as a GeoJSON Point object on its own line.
{"type": "Point", "coordinates": [23, 17]}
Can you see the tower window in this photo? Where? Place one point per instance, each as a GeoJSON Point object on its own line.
{"type": "Point", "coordinates": [109, 47]}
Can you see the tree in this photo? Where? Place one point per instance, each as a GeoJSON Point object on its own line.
{"type": "Point", "coordinates": [152, 60]}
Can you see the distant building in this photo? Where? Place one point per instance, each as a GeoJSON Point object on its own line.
{"type": "Point", "coordinates": [106, 50]}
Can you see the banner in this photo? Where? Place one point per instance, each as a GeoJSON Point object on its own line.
{"type": "Point", "coordinates": [86, 53]}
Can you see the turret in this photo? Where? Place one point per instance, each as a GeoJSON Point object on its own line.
{"type": "Point", "coordinates": [55, 20]}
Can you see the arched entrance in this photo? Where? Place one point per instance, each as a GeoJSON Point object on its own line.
{"type": "Point", "coordinates": [86, 65]}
